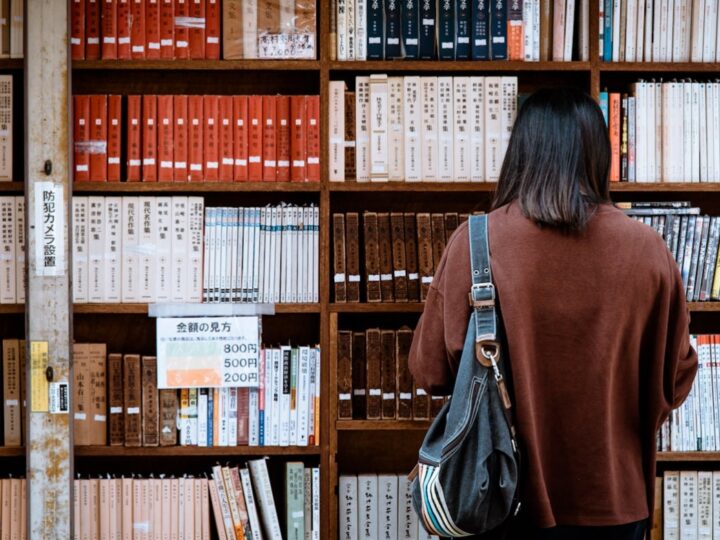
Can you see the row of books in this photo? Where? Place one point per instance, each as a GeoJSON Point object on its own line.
{"type": "Point", "coordinates": [197, 138]}
{"type": "Point", "coordinates": [268, 254]}
{"type": "Point", "coordinates": [12, 256]}
{"type": "Point", "coordinates": [378, 506]}
{"type": "Point", "coordinates": [695, 426]}
{"type": "Point", "coordinates": [373, 379]}
{"type": "Point", "coordinates": [664, 132]}
{"type": "Point", "coordinates": [138, 29]}
{"type": "Point", "coordinates": [117, 402]}
{"type": "Point", "coordinates": [400, 253]}
{"type": "Point", "coordinates": [13, 508]}
{"type": "Point", "coordinates": [528, 30]}
{"type": "Point", "coordinates": [687, 505]}
{"type": "Point", "coordinates": [691, 238]}
{"type": "Point", "coordinates": [659, 31]}
{"type": "Point", "coordinates": [420, 128]}
{"type": "Point", "coordinates": [12, 28]}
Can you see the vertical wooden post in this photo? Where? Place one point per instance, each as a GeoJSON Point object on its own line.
{"type": "Point", "coordinates": [48, 307]}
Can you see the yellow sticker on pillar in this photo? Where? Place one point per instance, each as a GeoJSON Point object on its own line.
{"type": "Point", "coordinates": [38, 380]}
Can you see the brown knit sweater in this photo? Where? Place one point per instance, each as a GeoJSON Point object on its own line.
{"type": "Point", "coordinates": [597, 331]}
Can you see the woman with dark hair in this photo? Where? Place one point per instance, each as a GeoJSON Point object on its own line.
{"type": "Point", "coordinates": [595, 320]}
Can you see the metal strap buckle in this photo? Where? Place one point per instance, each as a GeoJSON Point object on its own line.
{"type": "Point", "coordinates": [474, 296]}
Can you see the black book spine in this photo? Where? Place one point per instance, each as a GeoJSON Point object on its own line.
{"type": "Point", "coordinates": [375, 27]}
{"type": "Point", "coordinates": [410, 34]}
{"type": "Point", "coordinates": [498, 32]}
{"type": "Point", "coordinates": [427, 29]}
{"type": "Point", "coordinates": [480, 14]}
{"type": "Point", "coordinates": [392, 29]}
{"type": "Point", "coordinates": [462, 38]}
{"type": "Point", "coordinates": [446, 30]}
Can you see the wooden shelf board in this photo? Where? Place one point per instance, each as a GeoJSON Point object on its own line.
{"type": "Point", "coordinates": [194, 187]}
{"type": "Point", "coordinates": [704, 306]}
{"type": "Point", "coordinates": [11, 451]}
{"type": "Point", "coordinates": [12, 187]}
{"type": "Point", "coordinates": [12, 63]}
{"type": "Point", "coordinates": [196, 65]}
{"type": "Point", "coordinates": [379, 307]}
{"type": "Point", "coordinates": [469, 187]}
{"type": "Point", "coordinates": [10, 309]}
{"type": "Point", "coordinates": [122, 309]}
{"type": "Point", "coordinates": [382, 425]}
{"type": "Point", "coordinates": [195, 451]}
{"type": "Point", "coordinates": [609, 67]}
{"type": "Point", "coordinates": [688, 456]}
{"type": "Point", "coordinates": [665, 187]}
{"type": "Point", "coordinates": [457, 65]}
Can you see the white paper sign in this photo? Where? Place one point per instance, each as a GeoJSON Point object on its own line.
{"type": "Point", "coordinates": [50, 226]}
{"type": "Point", "coordinates": [206, 352]}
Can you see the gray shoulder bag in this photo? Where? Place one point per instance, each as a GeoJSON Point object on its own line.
{"type": "Point", "coordinates": [466, 479]}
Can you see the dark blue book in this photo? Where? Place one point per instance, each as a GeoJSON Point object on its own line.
{"type": "Point", "coordinates": [498, 30]}
{"type": "Point", "coordinates": [392, 29]}
{"type": "Point", "coordinates": [462, 37]}
{"type": "Point", "coordinates": [607, 31]}
{"type": "Point", "coordinates": [427, 29]}
{"type": "Point", "coordinates": [375, 27]}
{"type": "Point", "coordinates": [446, 30]}
{"type": "Point", "coordinates": [480, 15]}
{"type": "Point", "coordinates": [410, 33]}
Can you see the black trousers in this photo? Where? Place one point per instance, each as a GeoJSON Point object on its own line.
{"type": "Point", "coordinates": [630, 531]}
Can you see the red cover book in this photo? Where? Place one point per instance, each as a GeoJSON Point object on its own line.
{"type": "Point", "coordinates": [180, 138]}
{"type": "Point", "coordinates": [211, 138]}
{"type": "Point", "coordinates": [124, 51]}
{"type": "Point", "coordinates": [77, 29]}
{"type": "Point", "coordinates": [195, 138]}
{"type": "Point", "coordinates": [109, 29]}
{"type": "Point", "coordinates": [197, 32]}
{"type": "Point", "coordinates": [150, 142]}
{"type": "Point", "coordinates": [92, 29]}
{"type": "Point", "coordinates": [152, 29]}
{"type": "Point", "coordinates": [137, 28]}
{"type": "Point", "coordinates": [243, 414]}
{"type": "Point", "coordinates": [81, 134]}
{"type": "Point", "coordinates": [165, 128]}
{"type": "Point", "coordinates": [313, 138]}
{"type": "Point", "coordinates": [615, 129]}
{"type": "Point", "coordinates": [167, 29]}
{"type": "Point", "coordinates": [240, 139]}
{"type": "Point", "coordinates": [255, 138]}
{"type": "Point", "coordinates": [283, 138]}
{"type": "Point", "coordinates": [225, 145]}
{"type": "Point", "coordinates": [269, 138]}
{"type": "Point", "coordinates": [114, 138]}
{"type": "Point", "coordinates": [212, 29]}
{"type": "Point", "coordinates": [134, 139]}
{"type": "Point", "coordinates": [298, 139]}
{"type": "Point", "coordinates": [182, 31]}
{"type": "Point", "coordinates": [98, 138]}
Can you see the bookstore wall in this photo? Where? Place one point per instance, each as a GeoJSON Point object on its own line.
{"type": "Point", "coordinates": [317, 157]}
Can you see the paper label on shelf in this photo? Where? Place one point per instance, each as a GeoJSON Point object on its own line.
{"type": "Point", "coordinates": [202, 352]}
{"type": "Point", "coordinates": [59, 400]}
{"type": "Point", "coordinates": [49, 218]}
{"type": "Point", "coordinates": [38, 380]}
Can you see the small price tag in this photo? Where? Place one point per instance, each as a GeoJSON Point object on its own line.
{"type": "Point", "coordinates": [59, 400]}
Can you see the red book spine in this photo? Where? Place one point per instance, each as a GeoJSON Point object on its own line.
{"type": "Point", "coordinates": [149, 112]}
{"type": "Point", "coordinates": [225, 119]}
{"type": "Point", "coordinates": [124, 51]}
{"type": "Point", "coordinates": [134, 139]}
{"type": "Point", "coordinates": [197, 31]}
{"type": "Point", "coordinates": [211, 138]}
{"type": "Point", "coordinates": [81, 129]}
{"type": "Point", "coordinates": [98, 138]}
{"type": "Point", "coordinates": [180, 138]}
{"type": "Point", "coordinates": [298, 139]}
{"type": "Point", "coordinates": [165, 138]}
{"type": "Point", "coordinates": [283, 138]}
{"type": "Point", "coordinates": [195, 150]}
{"type": "Point", "coordinates": [313, 138]}
{"type": "Point", "coordinates": [152, 29]}
{"type": "Point", "coordinates": [243, 416]}
{"type": "Point", "coordinates": [269, 138]}
{"type": "Point", "coordinates": [137, 28]}
{"type": "Point", "coordinates": [240, 142]}
{"type": "Point", "coordinates": [615, 123]}
{"type": "Point", "coordinates": [167, 29]}
{"type": "Point", "coordinates": [114, 138]}
{"type": "Point", "coordinates": [109, 29]}
{"type": "Point", "coordinates": [92, 30]}
{"type": "Point", "coordinates": [255, 139]}
{"type": "Point", "coordinates": [212, 29]}
{"type": "Point", "coordinates": [77, 29]}
{"type": "Point", "coordinates": [182, 30]}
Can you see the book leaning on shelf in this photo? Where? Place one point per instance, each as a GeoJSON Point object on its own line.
{"type": "Point", "coordinates": [413, 129]}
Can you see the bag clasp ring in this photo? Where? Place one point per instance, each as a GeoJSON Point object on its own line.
{"type": "Point", "coordinates": [487, 353]}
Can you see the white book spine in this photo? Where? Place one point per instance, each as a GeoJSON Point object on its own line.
{"type": "Point", "coordinates": [690, 128]}
{"type": "Point", "coordinates": [223, 417]}
{"type": "Point", "coordinates": [80, 241]}
{"type": "Point", "coordinates": [715, 137]}
{"type": "Point", "coordinates": [250, 505]}
{"type": "Point", "coordinates": [96, 248]}
{"type": "Point", "coordinates": [203, 416]}
{"type": "Point", "coordinates": [293, 423]}
{"type": "Point", "coordinates": [337, 131]}
{"type": "Point", "coordinates": [658, 139]}
{"type": "Point", "coordinates": [255, 252]}
{"type": "Point", "coordinates": [20, 275]}
{"type": "Point", "coordinates": [312, 387]}
{"type": "Point", "coordinates": [315, 503]}
{"type": "Point", "coordinates": [388, 505]}
{"type": "Point", "coordinates": [704, 503]}
{"type": "Point", "coordinates": [263, 490]}
{"type": "Point", "coordinates": [702, 134]}
{"type": "Point", "coordinates": [351, 39]}
{"type": "Point", "coordinates": [688, 505]}
{"type": "Point", "coordinates": [709, 130]}
{"type": "Point", "coordinates": [536, 30]}
{"type": "Point", "coordinates": [277, 374]}
{"type": "Point", "coordinates": [348, 493]}
{"type": "Point", "coordinates": [716, 503]}
{"type": "Point", "coordinates": [663, 30]}
{"type": "Point", "coordinates": [569, 30]}
{"type": "Point", "coordinates": [445, 129]}
{"type": "Point", "coordinates": [509, 111]}
{"type": "Point", "coordinates": [412, 120]}
{"type": "Point", "coordinates": [223, 247]}
{"type": "Point", "coordinates": [250, 30]}
{"type": "Point", "coordinates": [113, 248]}
{"type": "Point", "coordinates": [461, 128]}
{"type": "Point", "coordinates": [368, 504]}
{"type": "Point", "coordinates": [493, 128]}
{"type": "Point", "coordinates": [640, 133]}
{"type": "Point", "coordinates": [209, 262]}
{"type": "Point", "coordinates": [396, 166]}
{"type": "Point", "coordinates": [222, 498]}
{"type": "Point", "coordinates": [631, 30]}
{"type": "Point", "coordinates": [640, 33]}
{"type": "Point", "coordinates": [378, 128]}
{"type": "Point", "coordinates": [527, 30]}
{"type": "Point", "coordinates": [147, 248]}
{"type": "Point", "coordinates": [269, 402]}
{"type": "Point", "coordinates": [179, 248]}
{"type": "Point", "coordinates": [164, 249]}
{"type": "Point", "coordinates": [262, 240]}
{"type": "Point", "coordinates": [7, 250]}
{"type": "Point", "coordinates": [285, 367]}
{"type": "Point", "coordinates": [316, 254]}
{"type": "Point", "coordinates": [696, 47]}
{"type": "Point", "coordinates": [303, 397]}
{"type": "Point", "coordinates": [648, 46]}
{"type": "Point", "coordinates": [616, 31]}
{"type": "Point", "coordinates": [407, 517]}
{"type": "Point", "coordinates": [253, 417]}
{"type": "Point", "coordinates": [717, 35]}
{"type": "Point", "coordinates": [280, 244]}
{"type": "Point", "coordinates": [362, 129]}
{"type": "Point", "coordinates": [342, 30]}
{"type": "Point", "coordinates": [361, 29]}
{"type": "Point", "coordinates": [196, 211]}
{"type": "Point", "coordinates": [429, 129]}
{"type": "Point", "coordinates": [675, 47]}
{"type": "Point", "coordinates": [709, 30]}
{"type": "Point", "coordinates": [670, 36]}
{"type": "Point", "coordinates": [232, 414]}
{"type": "Point", "coordinates": [476, 112]}
{"type": "Point", "coordinates": [671, 505]}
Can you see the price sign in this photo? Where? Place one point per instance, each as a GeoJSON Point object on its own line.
{"type": "Point", "coordinates": [202, 352]}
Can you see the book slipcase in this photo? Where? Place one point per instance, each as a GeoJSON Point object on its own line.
{"type": "Point", "coordinates": [347, 447]}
